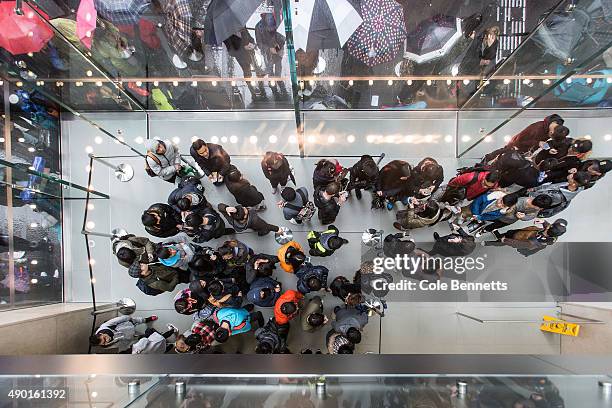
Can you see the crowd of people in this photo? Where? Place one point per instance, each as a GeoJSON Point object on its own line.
{"type": "Point", "coordinates": [224, 284]}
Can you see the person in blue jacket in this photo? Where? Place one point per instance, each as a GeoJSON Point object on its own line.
{"type": "Point", "coordinates": [189, 196]}
{"type": "Point", "coordinates": [311, 278]}
{"type": "Point", "coordinates": [490, 207]}
{"type": "Point", "coordinates": [264, 292]}
{"type": "Point", "coordinates": [235, 320]}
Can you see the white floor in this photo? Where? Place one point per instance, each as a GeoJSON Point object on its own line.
{"type": "Point", "coordinates": [422, 327]}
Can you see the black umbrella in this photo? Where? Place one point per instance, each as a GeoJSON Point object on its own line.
{"type": "Point", "coordinates": [227, 17]}
{"type": "Point", "coordinates": [433, 38]}
{"type": "Point", "coordinates": [562, 32]}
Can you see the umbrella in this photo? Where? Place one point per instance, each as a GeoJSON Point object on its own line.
{"type": "Point", "coordinates": [121, 12]}
{"type": "Point", "coordinates": [322, 24]}
{"type": "Point", "coordinates": [227, 17]}
{"type": "Point", "coordinates": [380, 36]}
{"type": "Point", "coordinates": [433, 38]}
{"type": "Point", "coordinates": [86, 21]}
{"type": "Point", "coordinates": [178, 25]}
{"type": "Point", "coordinates": [22, 34]}
{"type": "Point", "coordinates": [562, 32]}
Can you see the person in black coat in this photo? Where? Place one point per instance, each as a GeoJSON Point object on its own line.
{"type": "Point", "coordinates": [189, 196]}
{"type": "Point", "coordinates": [244, 192]}
{"type": "Point", "coordinates": [161, 220]}
{"type": "Point", "coordinates": [426, 177]}
{"type": "Point", "coordinates": [393, 181]}
{"type": "Point", "coordinates": [241, 46]}
{"type": "Point", "coordinates": [363, 175]}
{"type": "Point", "coordinates": [488, 50]}
{"type": "Point", "coordinates": [212, 159]}
{"type": "Point", "coordinates": [328, 201]}
{"type": "Point", "coordinates": [513, 168]}
{"type": "Point", "coordinates": [272, 45]}
{"type": "Point", "coordinates": [203, 227]}
{"type": "Point", "coordinates": [458, 243]}
{"type": "Point", "coordinates": [276, 169]}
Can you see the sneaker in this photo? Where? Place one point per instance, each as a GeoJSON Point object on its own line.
{"type": "Point", "coordinates": [151, 318]}
{"type": "Point", "coordinates": [196, 56]}
{"type": "Point", "coordinates": [390, 205]}
{"type": "Point", "coordinates": [138, 90]}
{"type": "Point", "coordinates": [398, 226]}
{"type": "Point", "coordinates": [172, 327]}
{"type": "Point", "coordinates": [179, 63]}
{"type": "Point", "coordinates": [293, 221]}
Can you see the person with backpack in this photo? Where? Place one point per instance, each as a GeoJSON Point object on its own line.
{"type": "Point", "coordinates": [471, 184]}
{"type": "Point", "coordinates": [487, 208]}
{"type": "Point", "coordinates": [556, 147]}
{"type": "Point", "coordinates": [418, 215]}
{"type": "Point", "coordinates": [287, 306]}
{"type": "Point", "coordinates": [596, 169]}
{"type": "Point", "coordinates": [260, 266]}
{"type": "Point", "coordinates": [163, 160]}
{"type": "Point", "coordinates": [556, 171]}
{"type": "Point", "coordinates": [188, 302]}
{"type": "Point", "coordinates": [562, 193]}
{"type": "Point", "coordinates": [212, 159]}
{"type": "Point", "coordinates": [348, 292]}
{"type": "Point", "coordinates": [244, 192]}
{"type": "Point", "coordinates": [530, 137]}
{"type": "Point", "coordinates": [277, 170]}
{"type": "Point", "coordinates": [176, 252]}
{"type": "Point", "coordinates": [295, 205]}
{"type": "Point", "coordinates": [526, 209]}
{"type": "Point", "coordinates": [349, 321]}
{"type": "Point", "coordinates": [457, 243]}
{"type": "Point", "coordinates": [119, 331]}
{"type": "Point", "coordinates": [311, 278]}
{"type": "Point", "coordinates": [224, 292]}
{"type": "Point", "coordinates": [242, 218]}
{"type": "Point", "coordinates": [198, 339]}
{"type": "Point", "coordinates": [312, 316]}
{"type": "Point", "coordinates": [161, 220]}
{"type": "Point", "coordinates": [264, 292]}
{"type": "Point", "coordinates": [235, 320]}
{"type": "Point", "coordinates": [130, 248]}
{"type": "Point", "coordinates": [337, 343]}
{"type": "Point", "coordinates": [189, 197]}
{"type": "Point", "coordinates": [325, 243]}
{"type": "Point", "coordinates": [235, 254]}
{"type": "Point", "coordinates": [515, 169]}
{"type": "Point", "coordinates": [155, 278]}
{"type": "Point", "coordinates": [272, 338]}
{"type": "Point", "coordinates": [327, 171]}
{"type": "Point", "coordinates": [363, 175]}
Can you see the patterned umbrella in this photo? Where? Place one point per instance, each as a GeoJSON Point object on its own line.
{"type": "Point", "coordinates": [380, 36]}
{"type": "Point", "coordinates": [228, 17]}
{"type": "Point", "coordinates": [22, 34]}
{"type": "Point", "coordinates": [121, 12]}
{"type": "Point", "coordinates": [432, 38]}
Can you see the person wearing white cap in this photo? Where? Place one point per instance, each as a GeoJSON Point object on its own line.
{"type": "Point", "coordinates": [163, 160]}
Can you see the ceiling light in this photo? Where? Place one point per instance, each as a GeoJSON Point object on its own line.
{"type": "Point", "coordinates": [272, 139]}
{"type": "Point", "coordinates": [253, 139]}
{"type": "Point", "coordinates": [89, 149]}
{"type": "Point", "coordinates": [90, 225]}
{"type": "Point", "coordinates": [350, 138]}
{"type": "Point", "coordinates": [139, 140]}
{"type": "Point", "coordinates": [98, 139]}
{"type": "Point", "coordinates": [233, 139]}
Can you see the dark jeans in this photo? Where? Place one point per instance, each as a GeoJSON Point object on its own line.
{"type": "Point", "coordinates": [150, 330]}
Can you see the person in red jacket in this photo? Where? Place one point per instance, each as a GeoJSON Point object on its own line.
{"type": "Point", "coordinates": [537, 132]}
{"type": "Point", "coordinates": [287, 306]}
{"type": "Point", "coordinates": [475, 183]}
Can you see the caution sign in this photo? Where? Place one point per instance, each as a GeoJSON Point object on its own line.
{"type": "Point", "coordinates": [554, 325]}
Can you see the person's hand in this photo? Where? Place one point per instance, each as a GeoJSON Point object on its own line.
{"type": "Point", "coordinates": [273, 51]}
{"type": "Point", "coordinates": [180, 227]}
{"type": "Point", "coordinates": [280, 204]}
{"type": "Point", "coordinates": [553, 151]}
{"type": "Point", "coordinates": [177, 167]}
{"type": "Point", "coordinates": [538, 221]}
{"type": "Point", "coordinates": [379, 193]}
{"type": "Point", "coordinates": [573, 171]}
{"type": "Point", "coordinates": [520, 215]}
{"type": "Point", "coordinates": [199, 33]}
{"type": "Point", "coordinates": [503, 239]}
{"type": "Point", "coordinates": [230, 210]}
{"type": "Point", "coordinates": [325, 319]}
{"type": "Point", "coordinates": [202, 283]}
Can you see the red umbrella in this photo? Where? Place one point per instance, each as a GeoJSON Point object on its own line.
{"type": "Point", "coordinates": [22, 34]}
{"type": "Point", "coordinates": [86, 21]}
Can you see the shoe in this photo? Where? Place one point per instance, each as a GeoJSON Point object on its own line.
{"type": "Point", "coordinates": [261, 207]}
{"type": "Point", "coordinates": [249, 308]}
{"type": "Point", "coordinates": [172, 327]}
{"type": "Point", "coordinates": [293, 221]}
{"type": "Point", "coordinates": [274, 190]}
{"type": "Point", "coordinates": [138, 90]}
{"type": "Point", "coordinates": [179, 63]}
{"type": "Point", "coordinates": [390, 206]}
{"type": "Point", "coordinates": [405, 200]}
{"type": "Point", "coordinates": [229, 231]}
{"type": "Point", "coordinates": [151, 318]}
{"type": "Point", "coordinates": [398, 226]}
{"type": "Point", "coordinates": [196, 56]}
{"type": "Point", "coordinates": [358, 194]}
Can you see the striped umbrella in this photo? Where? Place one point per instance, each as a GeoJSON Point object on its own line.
{"type": "Point", "coordinates": [380, 36]}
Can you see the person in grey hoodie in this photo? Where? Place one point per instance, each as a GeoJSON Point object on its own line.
{"type": "Point", "coordinates": [154, 342]}
{"type": "Point", "coordinates": [163, 159]}
{"type": "Point", "coordinates": [312, 316]}
{"type": "Point", "coordinates": [120, 330]}
{"type": "Point", "coordinates": [130, 248]}
{"type": "Point", "coordinates": [350, 321]}
{"type": "Point", "coordinates": [561, 194]}
{"type": "Point", "coordinates": [243, 218]}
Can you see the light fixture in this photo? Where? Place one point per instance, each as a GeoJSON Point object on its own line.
{"type": "Point", "coordinates": [92, 262]}
{"type": "Point", "coordinates": [607, 137]}
{"type": "Point", "coordinates": [589, 80]}
{"type": "Point", "coordinates": [370, 82]}
{"type": "Point", "coordinates": [93, 280]}
{"type": "Point", "coordinates": [33, 225]}
{"type": "Point", "coordinates": [214, 139]}
{"type": "Point", "coordinates": [19, 83]}
{"type": "Point", "coordinates": [98, 139]}
{"type": "Point", "coordinates": [409, 82]}
{"type": "Point", "coordinates": [546, 81]}
{"type": "Point", "coordinates": [90, 207]}
{"type": "Point", "coordinates": [507, 138]}
{"type": "Point", "coordinates": [87, 168]}
{"type": "Point", "coordinates": [21, 140]}
{"type": "Point", "coordinates": [34, 262]}
{"type": "Point", "coordinates": [390, 82]}
{"type": "Point", "coordinates": [370, 138]}
{"type": "Point", "coordinates": [194, 83]}
{"type": "Point", "coordinates": [176, 140]}
{"type": "Point", "coordinates": [31, 149]}
{"type": "Point", "coordinates": [59, 84]}
{"type": "Point", "coordinates": [488, 139]}
{"type": "Point", "coordinates": [139, 140]}
{"type": "Point", "coordinates": [233, 139]}
{"type": "Point", "coordinates": [272, 139]}
{"type": "Point", "coordinates": [569, 80]}
{"type": "Point", "coordinates": [331, 139]}
{"type": "Point", "coordinates": [526, 81]}
{"type": "Point", "coordinates": [331, 82]}
{"type": "Point", "coordinates": [214, 83]}
{"type": "Point", "coordinates": [311, 82]}
{"type": "Point", "coordinates": [32, 206]}
{"type": "Point", "coordinates": [448, 138]}
{"type": "Point", "coordinates": [34, 280]}
{"type": "Point", "coordinates": [428, 82]}
{"type": "Point", "coordinates": [99, 83]}
{"type": "Point", "coordinates": [175, 83]}
{"type": "Point", "coordinates": [609, 80]}
{"type": "Point", "coordinates": [350, 138]}
{"type": "Point", "coordinates": [155, 83]}
{"type": "Point", "coordinates": [94, 394]}
{"type": "Point", "coordinates": [506, 81]}
{"type": "Point", "coordinates": [252, 82]}
{"type": "Point", "coordinates": [465, 138]}
{"type": "Point", "coordinates": [138, 83]}
{"type": "Point", "coordinates": [78, 83]}
{"type": "Point", "coordinates": [311, 138]}
{"type": "Point", "coordinates": [253, 139]}
{"type": "Point", "coordinates": [292, 139]}
{"type": "Point", "coordinates": [449, 82]}
{"type": "Point", "coordinates": [90, 225]}
{"type": "Point", "coordinates": [1, 140]}
{"type": "Point", "coordinates": [272, 83]}
{"type": "Point", "coordinates": [351, 82]}
{"type": "Point", "coordinates": [466, 82]}
{"type": "Point", "coordinates": [233, 83]}
{"type": "Point", "coordinates": [223, 139]}
{"type": "Point", "coordinates": [455, 70]}
{"type": "Point", "coordinates": [89, 73]}
{"type": "Point", "coordinates": [89, 149]}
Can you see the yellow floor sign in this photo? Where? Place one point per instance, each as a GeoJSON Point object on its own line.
{"type": "Point", "coordinates": [555, 325]}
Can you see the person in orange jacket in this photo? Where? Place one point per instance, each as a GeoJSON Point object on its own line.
{"type": "Point", "coordinates": [287, 306]}
{"type": "Point", "coordinates": [291, 256]}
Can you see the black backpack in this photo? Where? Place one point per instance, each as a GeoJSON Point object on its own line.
{"type": "Point", "coordinates": [147, 290]}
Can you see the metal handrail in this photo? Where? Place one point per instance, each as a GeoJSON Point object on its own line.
{"type": "Point", "coordinates": [582, 320]}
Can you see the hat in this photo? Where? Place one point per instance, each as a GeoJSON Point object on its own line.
{"type": "Point", "coordinates": [134, 270]}
{"type": "Point", "coordinates": [151, 144]}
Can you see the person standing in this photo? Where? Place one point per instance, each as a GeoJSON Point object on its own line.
{"type": "Point", "coordinates": [130, 248]}
{"type": "Point", "coordinates": [272, 45]}
{"type": "Point", "coordinates": [241, 46]}
{"type": "Point", "coordinates": [291, 256]}
{"type": "Point", "coordinates": [393, 182]}
{"type": "Point", "coordinates": [530, 137]}
{"type": "Point", "coordinates": [287, 306]}
{"type": "Point", "coordinates": [163, 160]}
{"type": "Point", "coordinates": [337, 343]}
{"type": "Point", "coordinates": [487, 52]}
{"type": "Point", "coordinates": [264, 292]}
{"type": "Point", "coordinates": [203, 228]}
{"type": "Point", "coordinates": [325, 243]}
{"type": "Point", "coordinates": [212, 159]}
{"type": "Point", "coordinates": [295, 205]}
{"type": "Point", "coordinates": [188, 196]}
{"type": "Point", "coordinates": [242, 218]}
{"type": "Point", "coordinates": [363, 175]}
{"type": "Point", "coordinates": [350, 321]}
{"type": "Point", "coordinates": [120, 330]}
{"type": "Point", "coordinates": [328, 201]}
{"type": "Point", "coordinates": [312, 316]}
{"type": "Point", "coordinates": [243, 191]}
{"type": "Point", "coordinates": [272, 338]}
{"type": "Point", "coordinates": [161, 220]}
{"type": "Point", "coordinates": [277, 170]}
{"type": "Point", "coordinates": [234, 320]}
{"type": "Point", "coordinates": [176, 252]}
{"type": "Point", "coordinates": [311, 278]}
{"type": "Point", "coordinates": [155, 278]}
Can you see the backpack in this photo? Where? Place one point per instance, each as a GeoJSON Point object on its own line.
{"type": "Point", "coordinates": [147, 290]}
{"type": "Point", "coordinates": [147, 168]}
{"type": "Point", "coordinates": [454, 195]}
{"type": "Point", "coordinates": [307, 211]}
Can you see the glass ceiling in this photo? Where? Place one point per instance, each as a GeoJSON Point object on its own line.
{"type": "Point", "coordinates": [310, 54]}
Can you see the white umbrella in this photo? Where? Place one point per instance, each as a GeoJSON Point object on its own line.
{"type": "Point", "coordinates": [345, 18]}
